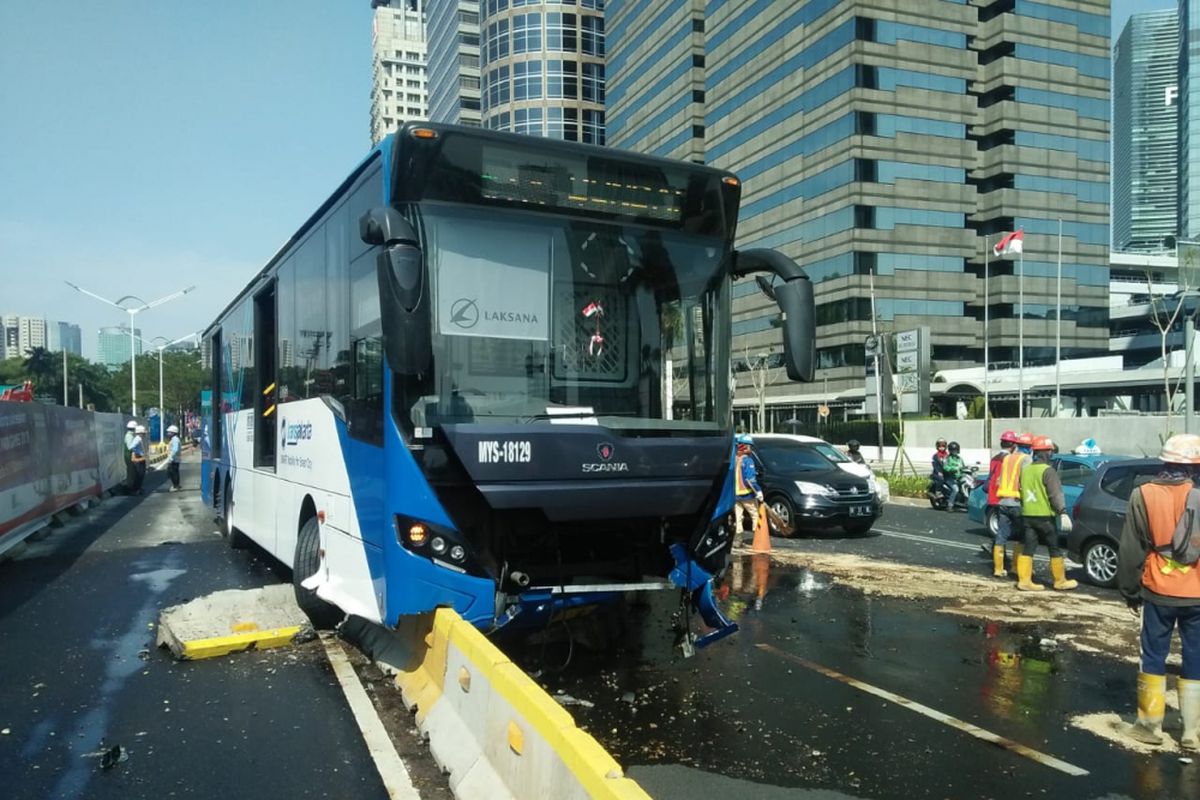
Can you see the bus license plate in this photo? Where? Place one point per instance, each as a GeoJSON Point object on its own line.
{"type": "Point", "coordinates": [860, 511]}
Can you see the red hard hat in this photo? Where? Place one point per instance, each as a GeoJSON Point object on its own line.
{"type": "Point", "coordinates": [1042, 443]}
{"type": "Point", "coordinates": [1009, 436]}
{"type": "Point", "coordinates": [1025, 439]}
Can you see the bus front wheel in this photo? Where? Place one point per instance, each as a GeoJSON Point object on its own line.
{"type": "Point", "coordinates": [306, 563]}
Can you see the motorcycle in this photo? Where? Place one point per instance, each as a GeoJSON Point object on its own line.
{"type": "Point", "coordinates": [966, 482]}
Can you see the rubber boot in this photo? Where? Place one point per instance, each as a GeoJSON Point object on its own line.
{"type": "Point", "coordinates": [1025, 575]}
{"type": "Point", "coordinates": [1151, 702]}
{"type": "Point", "coordinates": [998, 570]}
{"type": "Point", "coordinates": [1189, 712]}
{"type": "Point", "coordinates": [1018, 548]}
{"type": "Point", "coordinates": [1058, 569]}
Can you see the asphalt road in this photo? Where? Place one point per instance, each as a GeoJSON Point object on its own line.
{"type": "Point", "coordinates": [80, 674]}
{"type": "Point", "coordinates": [826, 692]}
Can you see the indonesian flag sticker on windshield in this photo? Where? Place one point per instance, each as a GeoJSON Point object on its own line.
{"type": "Point", "coordinates": [1012, 243]}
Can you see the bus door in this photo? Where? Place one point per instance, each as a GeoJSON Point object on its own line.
{"type": "Point", "coordinates": [267, 394]}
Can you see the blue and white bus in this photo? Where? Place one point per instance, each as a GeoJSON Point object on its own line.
{"type": "Point", "coordinates": [492, 372]}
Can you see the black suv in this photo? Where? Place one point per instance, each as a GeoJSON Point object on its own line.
{"type": "Point", "coordinates": [807, 489]}
{"type": "Point", "coordinates": [1099, 516]}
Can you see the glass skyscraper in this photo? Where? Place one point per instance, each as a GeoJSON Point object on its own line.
{"type": "Point", "coordinates": [543, 68]}
{"type": "Point", "coordinates": [452, 44]}
{"type": "Point", "coordinates": [1145, 132]}
{"type": "Point", "coordinates": [1189, 119]}
{"type": "Point", "coordinates": [893, 140]}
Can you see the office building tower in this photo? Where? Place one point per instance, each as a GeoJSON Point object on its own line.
{"type": "Point", "coordinates": [21, 334]}
{"type": "Point", "coordinates": [398, 65]}
{"type": "Point", "coordinates": [1189, 119]}
{"type": "Point", "coordinates": [64, 336]}
{"type": "Point", "coordinates": [893, 141]}
{"type": "Point", "coordinates": [113, 345]}
{"type": "Point", "coordinates": [1145, 197]}
{"type": "Point", "coordinates": [452, 39]}
{"type": "Point", "coordinates": [542, 65]}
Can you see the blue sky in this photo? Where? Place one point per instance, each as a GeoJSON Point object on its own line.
{"type": "Point", "coordinates": [149, 145]}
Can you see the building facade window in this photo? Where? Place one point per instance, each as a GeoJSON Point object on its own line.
{"type": "Point", "coordinates": [527, 80]}
{"type": "Point", "coordinates": [562, 80]}
{"type": "Point", "coordinates": [527, 33]}
{"type": "Point", "coordinates": [529, 121]}
{"type": "Point", "coordinates": [560, 32]}
{"type": "Point", "coordinates": [593, 83]}
{"type": "Point", "coordinates": [592, 36]}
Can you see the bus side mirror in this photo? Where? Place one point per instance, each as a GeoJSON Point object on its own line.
{"type": "Point", "coordinates": [795, 299]}
{"type": "Point", "coordinates": [794, 296]}
{"type": "Point", "coordinates": [385, 225]}
{"type": "Point", "coordinates": [404, 309]}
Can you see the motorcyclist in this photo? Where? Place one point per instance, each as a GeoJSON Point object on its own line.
{"type": "Point", "coordinates": [952, 468]}
{"type": "Point", "coordinates": [853, 452]}
{"type": "Point", "coordinates": [938, 476]}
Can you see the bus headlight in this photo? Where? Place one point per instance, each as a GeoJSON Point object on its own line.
{"type": "Point", "coordinates": [457, 553]}
{"type": "Point", "coordinates": [438, 545]}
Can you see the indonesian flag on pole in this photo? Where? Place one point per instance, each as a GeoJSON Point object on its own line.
{"type": "Point", "coordinates": [1012, 243]}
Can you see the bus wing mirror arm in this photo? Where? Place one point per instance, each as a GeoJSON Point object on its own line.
{"type": "Point", "coordinates": [794, 296]}
{"type": "Point", "coordinates": [385, 225]}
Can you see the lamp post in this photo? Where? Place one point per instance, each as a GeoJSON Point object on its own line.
{"type": "Point", "coordinates": [161, 347]}
{"type": "Point", "coordinates": [132, 311]}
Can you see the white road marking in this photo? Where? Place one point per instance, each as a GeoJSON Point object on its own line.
{"type": "Point", "coordinates": [391, 769]}
{"type": "Point", "coordinates": [958, 545]}
{"type": "Point", "coordinates": [932, 713]}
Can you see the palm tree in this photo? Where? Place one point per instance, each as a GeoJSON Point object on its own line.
{"type": "Point", "coordinates": [41, 366]}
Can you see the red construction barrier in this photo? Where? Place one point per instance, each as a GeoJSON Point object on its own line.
{"type": "Point", "coordinates": [52, 457]}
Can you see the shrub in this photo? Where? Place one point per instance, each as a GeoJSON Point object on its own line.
{"type": "Point", "coordinates": [906, 485]}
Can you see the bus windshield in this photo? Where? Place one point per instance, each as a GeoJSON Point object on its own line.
{"type": "Point", "coordinates": [540, 316]}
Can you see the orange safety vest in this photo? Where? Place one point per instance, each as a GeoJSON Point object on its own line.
{"type": "Point", "coordinates": [1010, 475]}
{"type": "Point", "coordinates": [742, 489]}
{"type": "Point", "coordinates": [1164, 507]}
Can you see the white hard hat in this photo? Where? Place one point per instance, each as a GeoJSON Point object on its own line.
{"type": "Point", "coordinates": [172, 429]}
{"type": "Point", "coordinates": [140, 429]}
{"type": "Point", "coordinates": [130, 425]}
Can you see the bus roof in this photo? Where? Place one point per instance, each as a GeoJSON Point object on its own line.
{"type": "Point", "coordinates": [389, 146]}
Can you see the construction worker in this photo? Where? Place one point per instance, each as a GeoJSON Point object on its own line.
{"type": "Point", "coordinates": [1166, 590]}
{"type": "Point", "coordinates": [749, 493]}
{"type": "Point", "coordinates": [137, 455]}
{"type": "Point", "coordinates": [173, 452]}
{"type": "Point", "coordinates": [127, 451]}
{"type": "Point", "coordinates": [1041, 501]}
{"type": "Point", "coordinates": [1004, 499]}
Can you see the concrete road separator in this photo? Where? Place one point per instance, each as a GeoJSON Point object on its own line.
{"type": "Point", "coordinates": [232, 621]}
{"type": "Point", "coordinates": [490, 726]}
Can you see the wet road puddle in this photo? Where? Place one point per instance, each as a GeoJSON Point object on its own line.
{"type": "Point", "coordinates": [753, 711]}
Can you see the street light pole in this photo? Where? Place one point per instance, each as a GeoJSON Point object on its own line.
{"type": "Point", "coordinates": [132, 311]}
{"type": "Point", "coordinates": [162, 415]}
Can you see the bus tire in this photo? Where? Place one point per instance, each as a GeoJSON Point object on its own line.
{"type": "Point", "coordinates": [236, 539]}
{"type": "Point", "coordinates": [323, 616]}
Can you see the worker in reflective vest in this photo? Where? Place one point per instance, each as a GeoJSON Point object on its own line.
{"type": "Point", "coordinates": [1167, 591]}
{"type": "Point", "coordinates": [1004, 497]}
{"type": "Point", "coordinates": [749, 493]}
{"type": "Point", "coordinates": [1041, 501]}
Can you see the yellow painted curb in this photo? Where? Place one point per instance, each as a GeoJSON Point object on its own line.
{"type": "Point", "coordinates": [223, 645]}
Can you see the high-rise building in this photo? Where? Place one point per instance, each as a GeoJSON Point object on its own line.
{"type": "Point", "coordinates": [1145, 202]}
{"type": "Point", "coordinates": [1189, 119]}
{"type": "Point", "coordinates": [64, 336]}
{"type": "Point", "coordinates": [542, 64]}
{"type": "Point", "coordinates": [398, 65]}
{"type": "Point", "coordinates": [893, 141]}
{"type": "Point", "coordinates": [452, 37]}
{"type": "Point", "coordinates": [20, 334]}
{"type": "Point", "coordinates": [112, 345]}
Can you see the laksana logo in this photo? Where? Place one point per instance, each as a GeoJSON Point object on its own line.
{"type": "Point", "coordinates": [293, 433]}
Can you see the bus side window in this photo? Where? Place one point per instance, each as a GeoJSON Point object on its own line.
{"type": "Point", "coordinates": [365, 411]}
